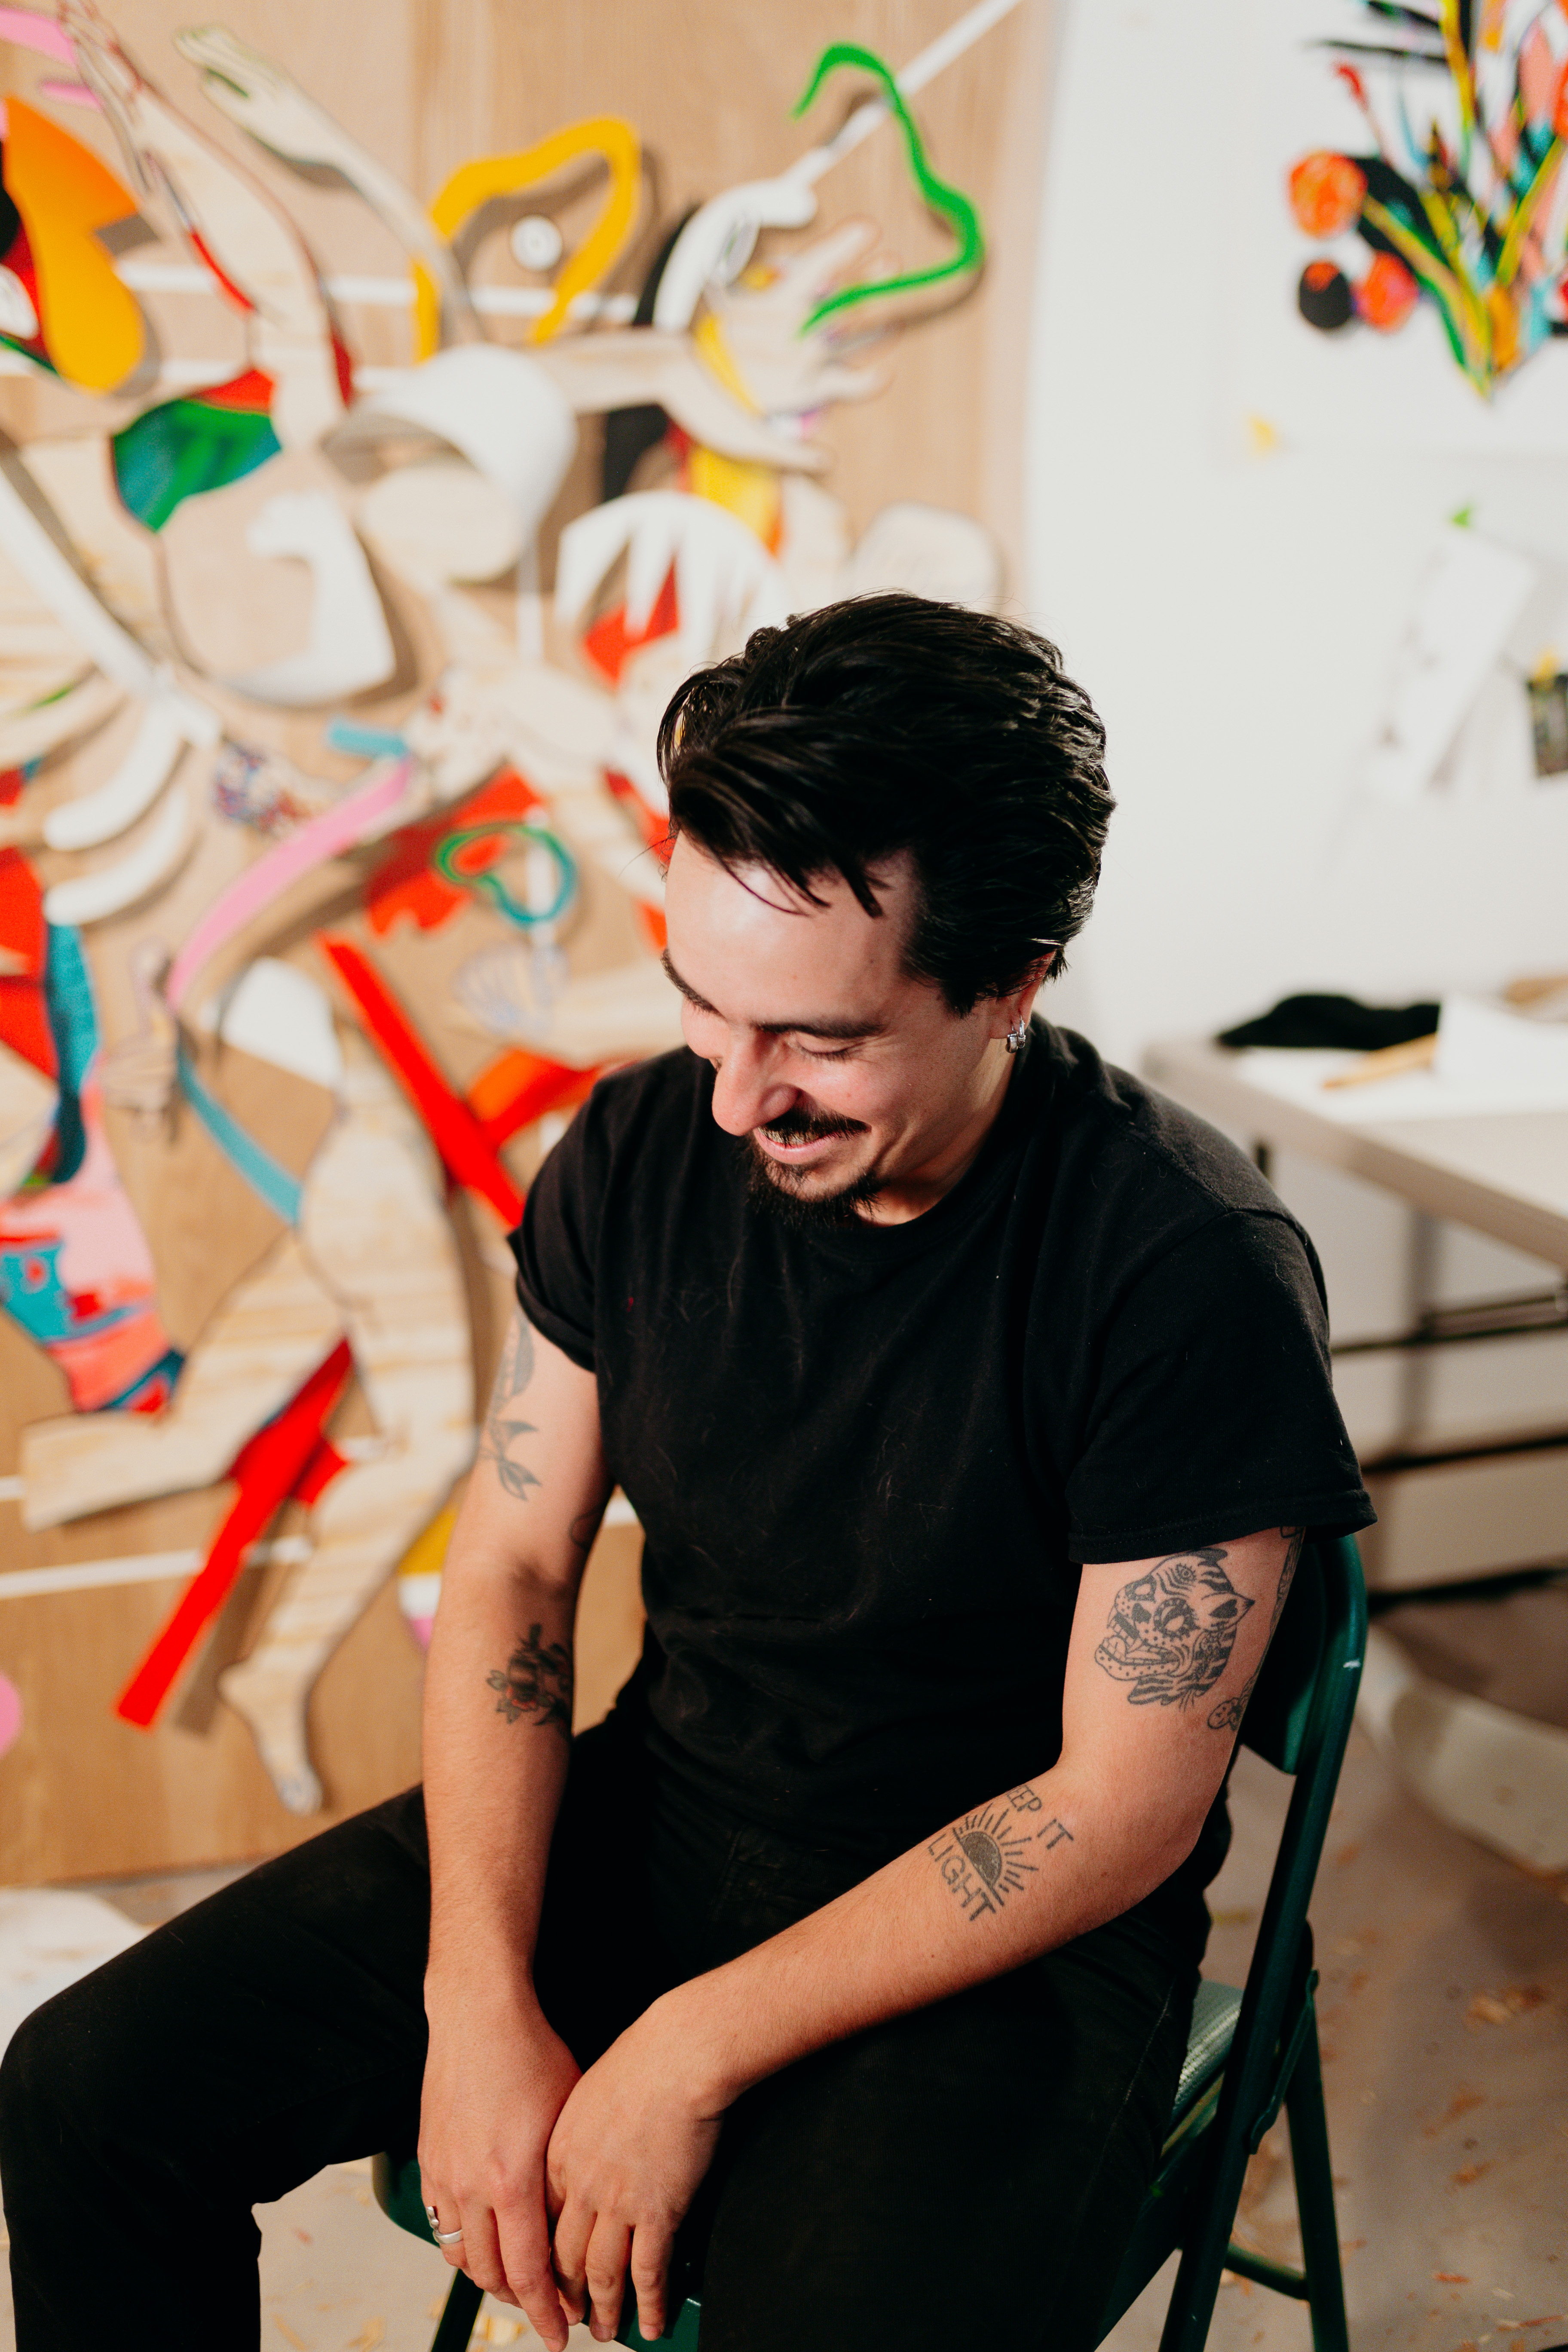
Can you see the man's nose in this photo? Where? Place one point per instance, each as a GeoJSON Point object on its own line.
{"type": "Point", "coordinates": [746, 1091]}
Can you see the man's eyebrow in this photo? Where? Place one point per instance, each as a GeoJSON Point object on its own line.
{"type": "Point", "coordinates": [845, 1031]}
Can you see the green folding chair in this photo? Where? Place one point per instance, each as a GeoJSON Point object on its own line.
{"type": "Point", "coordinates": [1251, 2049]}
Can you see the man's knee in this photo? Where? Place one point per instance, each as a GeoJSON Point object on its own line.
{"type": "Point", "coordinates": [48, 2067]}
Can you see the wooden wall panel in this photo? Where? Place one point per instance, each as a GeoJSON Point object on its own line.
{"type": "Point", "coordinates": [427, 84]}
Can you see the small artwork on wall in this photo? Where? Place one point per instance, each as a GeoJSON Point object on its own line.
{"type": "Point", "coordinates": [1406, 216]}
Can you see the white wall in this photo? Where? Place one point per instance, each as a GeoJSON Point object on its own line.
{"type": "Point", "coordinates": [1234, 617]}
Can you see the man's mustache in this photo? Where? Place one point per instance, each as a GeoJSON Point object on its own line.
{"type": "Point", "coordinates": [803, 1126]}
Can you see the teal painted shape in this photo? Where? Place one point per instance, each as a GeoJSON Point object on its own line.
{"type": "Point", "coordinates": [182, 447]}
{"type": "Point", "coordinates": [266, 1176]}
{"type": "Point", "coordinates": [73, 1025]}
{"type": "Point", "coordinates": [33, 1295]}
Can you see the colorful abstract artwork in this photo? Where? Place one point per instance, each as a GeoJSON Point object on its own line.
{"type": "Point", "coordinates": [328, 870]}
{"type": "Point", "coordinates": [1456, 194]}
{"type": "Point", "coordinates": [1398, 259]}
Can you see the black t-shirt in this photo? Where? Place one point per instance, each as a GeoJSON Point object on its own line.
{"type": "Point", "coordinates": [868, 1460]}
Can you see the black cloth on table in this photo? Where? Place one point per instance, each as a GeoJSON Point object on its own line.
{"type": "Point", "coordinates": [1307, 1021]}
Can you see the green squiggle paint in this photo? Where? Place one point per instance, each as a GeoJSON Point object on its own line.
{"type": "Point", "coordinates": [950, 201]}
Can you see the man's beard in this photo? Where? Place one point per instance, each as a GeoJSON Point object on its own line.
{"type": "Point", "coordinates": [773, 1185]}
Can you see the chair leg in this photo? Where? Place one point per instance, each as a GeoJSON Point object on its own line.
{"type": "Point", "coordinates": [458, 2319]}
{"type": "Point", "coordinates": [1315, 2200]}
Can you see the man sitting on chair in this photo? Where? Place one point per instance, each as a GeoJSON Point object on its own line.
{"type": "Point", "coordinates": [973, 1401]}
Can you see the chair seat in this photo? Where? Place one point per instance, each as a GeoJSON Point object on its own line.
{"type": "Point", "coordinates": [1214, 2011]}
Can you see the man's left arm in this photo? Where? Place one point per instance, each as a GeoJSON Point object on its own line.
{"type": "Point", "coordinates": [1163, 1659]}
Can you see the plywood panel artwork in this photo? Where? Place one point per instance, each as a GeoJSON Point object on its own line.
{"type": "Point", "coordinates": [399, 399]}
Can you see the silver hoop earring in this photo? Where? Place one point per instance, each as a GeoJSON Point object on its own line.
{"type": "Point", "coordinates": [1016, 1036]}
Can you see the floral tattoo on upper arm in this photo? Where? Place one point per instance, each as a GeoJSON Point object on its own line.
{"type": "Point", "coordinates": [1172, 1630]}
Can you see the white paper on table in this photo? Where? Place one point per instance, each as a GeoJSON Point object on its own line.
{"type": "Point", "coordinates": [1489, 1049]}
{"type": "Point", "coordinates": [1467, 607]}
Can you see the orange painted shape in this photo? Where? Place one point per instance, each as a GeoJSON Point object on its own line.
{"type": "Point", "coordinates": [403, 883]}
{"type": "Point", "coordinates": [656, 931]}
{"type": "Point", "coordinates": [609, 645]}
{"type": "Point", "coordinates": [91, 326]}
{"type": "Point", "coordinates": [518, 1088]}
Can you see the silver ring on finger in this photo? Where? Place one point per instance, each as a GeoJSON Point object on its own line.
{"type": "Point", "coordinates": [442, 2237]}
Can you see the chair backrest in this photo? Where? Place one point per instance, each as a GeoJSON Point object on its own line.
{"type": "Point", "coordinates": [1299, 1720]}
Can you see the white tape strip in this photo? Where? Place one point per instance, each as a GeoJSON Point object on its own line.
{"type": "Point", "coordinates": [134, 1567]}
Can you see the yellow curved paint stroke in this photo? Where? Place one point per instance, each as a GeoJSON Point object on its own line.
{"type": "Point", "coordinates": [91, 326]}
{"type": "Point", "coordinates": [487, 176]}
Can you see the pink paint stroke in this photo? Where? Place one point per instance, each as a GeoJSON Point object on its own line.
{"type": "Point", "coordinates": [31, 31]}
{"type": "Point", "coordinates": [10, 1714]}
{"type": "Point", "coordinates": [325, 836]}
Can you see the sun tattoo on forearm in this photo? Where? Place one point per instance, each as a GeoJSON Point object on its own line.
{"type": "Point", "coordinates": [1226, 1715]}
{"type": "Point", "coordinates": [503, 1425]}
{"type": "Point", "coordinates": [993, 1853]}
{"type": "Point", "coordinates": [536, 1683]}
{"type": "Point", "coordinates": [1172, 1631]}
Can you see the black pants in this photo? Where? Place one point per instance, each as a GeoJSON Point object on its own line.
{"type": "Point", "coordinates": [978, 2163]}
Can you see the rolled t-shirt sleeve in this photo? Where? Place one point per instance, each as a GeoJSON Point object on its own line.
{"type": "Point", "coordinates": [553, 1247]}
{"type": "Point", "coordinates": [1212, 1412]}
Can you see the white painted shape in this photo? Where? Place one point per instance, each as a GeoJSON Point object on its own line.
{"type": "Point", "coordinates": [17, 316]}
{"type": "Point", "coordinates": [131, 1568]}
{"type": "Point", "coordinates": [726, 582]}
{"type": "Point", "coordinates": [375, 294]}
{"type": "Point", "coordinates": [718, 238]}
{"type": "Point", "coordinates": [89, 897]}
{"type": "Point", "coordinates": [349, 646]}
{"type": "Point", "coordinates": [417, 1596]}
{"type": "Point", "coordinates": [278, 1013]}
{"type": "Point", "coordinates": [536, 242]}
{"type": "Point", "coordinates": [50, 1938]}
{"type": "Point", "coordinates": [501, 410]}
{"type": "Point", "coordinates": [117, 803]}
{"type": "Point", "coordinates": [1466, 608]}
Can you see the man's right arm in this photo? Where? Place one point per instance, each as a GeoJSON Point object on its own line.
{"type": "Point", "coordinates": [497, 1728]}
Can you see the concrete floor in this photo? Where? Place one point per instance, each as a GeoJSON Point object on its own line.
{"type": "Point", "coordinates": [1444, 2004]}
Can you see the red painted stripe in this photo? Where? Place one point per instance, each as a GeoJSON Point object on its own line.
{"type": "Point", "coordinates": [466, 1152]}
{"type": "Point", "coordinates": [266, 1469]}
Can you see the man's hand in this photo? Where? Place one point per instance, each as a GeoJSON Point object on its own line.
{"type": "Point", "coordinates": [496, 2079]}
{"type": "Point", "coordinates": [625, 2157]}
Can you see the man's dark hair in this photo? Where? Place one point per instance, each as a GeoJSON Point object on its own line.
{"type": "Point", "coordinates": [891, 722]}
